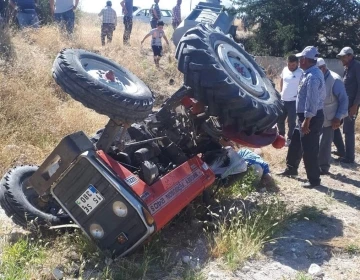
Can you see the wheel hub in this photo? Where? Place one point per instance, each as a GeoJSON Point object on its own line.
{"type": "Point", "coordinates": [108, 75]}
{"type": "Point", "coordinates": [241, 69]}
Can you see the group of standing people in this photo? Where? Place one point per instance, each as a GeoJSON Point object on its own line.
{"type": "Point", "coordinates": [317, 101]}
{"type": "Point", "coordinates": [109, 19]}
{"type": "Point", "coordinates": [157, 33]}
{"type": "Point", "coordinates": [61, 10]}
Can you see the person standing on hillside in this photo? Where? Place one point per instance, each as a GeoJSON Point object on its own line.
{"type": "Point", "coordinates": [352, 84]}
{"type": "Point", "coordinates": [155, 14]}
{"type": "Point", "coordinates": [109, 22]}
{"type": "Point", "coordinates": [176, 20]}
{"type": "Point", "coordinates": [335, 109]}
{"type": "Point", "coordinates": [157, 34]}
{"type": "Point", "coordinates": [26, 13]}
{"type": "Point", "coordinates": [290, 79]}
{"type": "Point", "coordinates": [127, 7]}
{"type": "Point", "coordinates": [63, 13]}
{"type": "Point", "coordinates": [309, 108]}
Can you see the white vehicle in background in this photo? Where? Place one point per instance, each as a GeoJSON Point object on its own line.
{"type": "Point", "coordinates": [143, 15]}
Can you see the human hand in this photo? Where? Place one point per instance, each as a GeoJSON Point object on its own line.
{"type": "Point", "coordinates": [74, 8]}
{"type": "Point", "coordinates": [305, 127]}
{"type": "Point", "coordinates": [353, 110]}
{"type": "Point", "coordinates": [335, 123]}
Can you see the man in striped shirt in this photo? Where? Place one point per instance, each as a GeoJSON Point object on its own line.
{"type": "Point", "coordinates": [109, 22]}
{"type": "Point", "coordinates": [309, 108]}
{"type": "Point", "coordinates": [176, 20]}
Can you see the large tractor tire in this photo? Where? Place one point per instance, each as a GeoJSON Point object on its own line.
{"type": "Point", "coordinates": [102, 85]}
{"type": "Point", "coordinates": [228, 80]}
{"type": "Point", "coordinates": [22, 203]}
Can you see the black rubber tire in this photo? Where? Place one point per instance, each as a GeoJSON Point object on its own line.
{"type": "Point", "coordinates": [216, 84]}
{"type": "Point", "coordinates": [16, 204]}
{"type": "Point", "coordinates": [70, 73]}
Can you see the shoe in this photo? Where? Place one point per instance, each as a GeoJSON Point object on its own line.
{"type": "Point", "coordinates": [336, 153]}
{"type": "Point", "coordinates": [288, 172]}
{"type": "Point", "coordinates": [344, 160]}
{"type": "Point", "coordinates": [324, 172]}
{"type": "Point", "coordinates": [309, 185]}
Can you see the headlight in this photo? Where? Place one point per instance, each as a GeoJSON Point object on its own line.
{"type": "Point", "coordinates": [120, 209]}
{"type": "Point", "coordinates": [96, 231]}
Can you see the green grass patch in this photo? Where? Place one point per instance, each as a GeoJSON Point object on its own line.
{"type": "Point", "coordinates": [240, 235]}
{"type": "Point", "coordinates": [239, 185]}
{"type": "Point", "coordinates": [352, 249]}
{"type": "Point", "coordinates": [19, 258]}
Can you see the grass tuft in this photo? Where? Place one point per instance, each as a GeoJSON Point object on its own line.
{"type": "Point", "coordinates": [244, 234]}
{"type": "Point", "coordinates": [19, 259]}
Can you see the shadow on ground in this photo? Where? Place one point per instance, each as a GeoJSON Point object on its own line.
{"type": "Point", "coordinates": [300, 244]}
{"type": "Point", "coordinates": [341, 196]}
{"type": "Point", "coordinates": [345, 179]}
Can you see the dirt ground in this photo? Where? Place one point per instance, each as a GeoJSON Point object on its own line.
{"type": "Point", "coordinates": [323, 232]}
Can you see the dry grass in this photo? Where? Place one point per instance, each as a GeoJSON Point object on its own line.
{"type": "Point", "coordinates": [34, 113]}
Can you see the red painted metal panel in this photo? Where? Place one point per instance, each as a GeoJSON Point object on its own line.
{"type": "Point", "coordinates": [172, 192]}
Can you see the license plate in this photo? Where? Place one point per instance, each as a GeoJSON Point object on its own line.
{"type": "Point", "coordinates": [89, 200]}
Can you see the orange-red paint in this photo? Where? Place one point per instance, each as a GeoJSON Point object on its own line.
{"type": "Point", "coordinates": [172, 192]}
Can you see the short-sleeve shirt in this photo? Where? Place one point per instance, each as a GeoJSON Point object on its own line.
{"type": "Point", "coordinates": [129, 8]}
{"type": "Point", "coordinates": [156, 37]}
{"type": "Point", "coordinates": [156, 8]}
{"type": "Point", "coordinates": [291, 82]}
{"type": "Point", "coordinates": [25, 4]}
{"type": "Point", "coordinates": [62, 6]}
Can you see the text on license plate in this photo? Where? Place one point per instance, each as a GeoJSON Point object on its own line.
{"type": "Point", "coordinates": [89, 200]}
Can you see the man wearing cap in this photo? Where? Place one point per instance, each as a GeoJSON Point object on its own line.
{"type": "Point", "coordinates": [109, 22]}
{"type": "Point", "coordinates": [352, 85]}
{"type": "Point", "coordinates": [309, 108]}
{"type": "Point", "coordinates": [335, 109]}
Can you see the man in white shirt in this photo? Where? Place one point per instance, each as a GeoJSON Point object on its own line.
{"type": "Point", "coordinates": [63, 12]}
{"type": "Point", "coordinates": [290, 79]}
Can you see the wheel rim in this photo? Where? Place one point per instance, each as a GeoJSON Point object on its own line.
{"type": "Point", "coordinates": [241, 70]}
{"type": "Point", "coordinates": [99, 71]}
{"type": "Point", "coordinates": [48, 207]}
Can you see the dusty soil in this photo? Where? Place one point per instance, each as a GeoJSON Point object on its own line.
{"type": "Point", "coordinates": [326, 221]}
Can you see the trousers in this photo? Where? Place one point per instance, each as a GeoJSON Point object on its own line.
{"type": "Point", "coordinates": [326, 139]}
{"type": "Point", "coordinates": [290, 114]}
{"type": "Point", "coordinates": [306, 147]}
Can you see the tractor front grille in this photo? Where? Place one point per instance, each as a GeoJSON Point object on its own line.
{"type": "Point", "coordinates": [87, 172]}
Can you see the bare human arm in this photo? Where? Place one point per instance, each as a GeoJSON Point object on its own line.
{"type": "Point", "coordinates": [281, 85]}
{"type": "Point", "coordinates": [76, 4]}
{"type": "Point", "coordinates": [147, 36]}
{"type": "Point", "coordinates": [124, 11]}
{"type": "Point", "coordinates": [166, 40]}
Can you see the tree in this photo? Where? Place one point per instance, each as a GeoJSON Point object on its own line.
{"type": "Point", "coordinates": [285, 26]}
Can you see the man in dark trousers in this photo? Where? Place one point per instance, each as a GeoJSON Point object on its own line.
{"type": "Point", "coordinates": [352, 85]}
{"type": "Point", "coordinates": [155, 14]}
{"type": "Point", "coordinates": [309, 108]}
{"type": "Point", "coordinates": [127, 6]}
